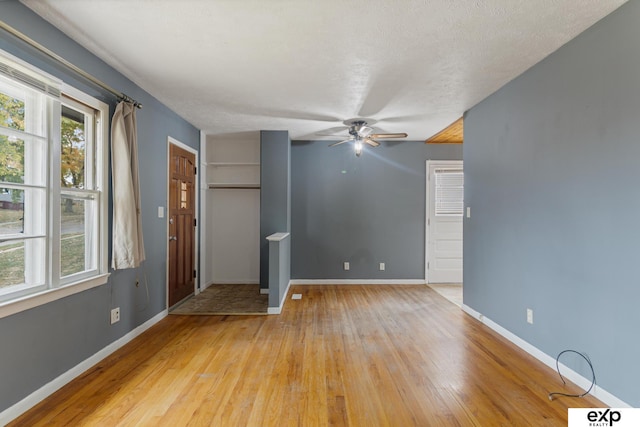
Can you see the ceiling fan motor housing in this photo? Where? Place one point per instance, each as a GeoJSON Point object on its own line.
{"type": "Point", "coordinates": [360, 129]}
{"type": "Point", "coordinates": [361, 133]}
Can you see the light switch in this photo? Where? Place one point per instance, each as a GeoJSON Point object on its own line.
{"type": "Point", "coordinates": [468, 212]}
{"type": "Point", "coordinates": [160, 211]}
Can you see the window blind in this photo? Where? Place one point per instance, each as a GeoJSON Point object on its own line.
{"type": "Point", "coordinates": [449, 192]}
{"type": "Point", "coordinates": [10, 67]}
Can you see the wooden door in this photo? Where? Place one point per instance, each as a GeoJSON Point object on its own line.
{"type": "Point", "coordinates": [181, 258]}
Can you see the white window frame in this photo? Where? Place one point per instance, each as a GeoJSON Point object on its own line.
{"type": "Point", "coordinates": [55, 288]}
{"type": "Point", "coordinates": [95, 185]}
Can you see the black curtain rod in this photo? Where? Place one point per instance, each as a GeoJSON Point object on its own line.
{"type": "Point", "coordinates": [17, 34]}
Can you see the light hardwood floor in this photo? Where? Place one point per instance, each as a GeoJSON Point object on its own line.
{"type": "Point", "coordinates": [451, 291]}
{"type": "Point", "coordinates": [341, 356]}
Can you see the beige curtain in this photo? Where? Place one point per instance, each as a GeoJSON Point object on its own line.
{"type": "Point", "coordinates": [128, 245]}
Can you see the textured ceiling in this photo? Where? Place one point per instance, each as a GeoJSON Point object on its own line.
{"type": "Point", "coordinates": [231, 66]}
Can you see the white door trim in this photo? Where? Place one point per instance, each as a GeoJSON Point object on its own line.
{"type": "Point", "coordinates": [201, 236]}
{"type": "Point", "coordinates": [427, 220]}
{"type": "Point", "coordinates": [173, 141]}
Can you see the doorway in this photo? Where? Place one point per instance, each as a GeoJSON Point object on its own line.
{"type": "Point", "coordinates": [445, 210]}
{"type": "Point", "coordinates": [181, 251]}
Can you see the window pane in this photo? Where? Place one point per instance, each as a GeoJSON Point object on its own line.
{"type": "Point", "coordinates": [23, 211]}
{"type": "Point", "coordinates": [11, 263]}
{"type": "Point", "coordinates": [11, 211]}
{"type": "Point", "coordinates": [19, 270]}
{"type": "Point", "coordinates": [11, 112]}
{"type": "Point", "coordinates": [77, 234]}
{"type": "Point", "coordinates": [11, 159]}
{"type": "Point", "coordinates": [183, 196]}
{"type": "Point", "coordinates": [73, 148]}
{"type": "Point", "coordinates": [15, 153]}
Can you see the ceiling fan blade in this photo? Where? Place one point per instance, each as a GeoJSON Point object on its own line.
{"type": "Point", "coordinates": [334, 131]}
{"type": "Point", "coordinates": [371, 142]}
{"type": "Point", "coordinates": [340, 142]}
{"type": "Point", "coordinates": [388, 135]}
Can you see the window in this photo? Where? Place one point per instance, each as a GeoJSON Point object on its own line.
{"type": "Point", "coordinates": [52, 184]}
{"type": "Point", "coordinates": [449, 188]}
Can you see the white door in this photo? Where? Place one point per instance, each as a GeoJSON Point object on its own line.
{"type": "Point", "coordinates": [445, 208]}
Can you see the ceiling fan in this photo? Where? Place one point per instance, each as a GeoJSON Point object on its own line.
{"type": "Point", "coordinates": [363, 134]}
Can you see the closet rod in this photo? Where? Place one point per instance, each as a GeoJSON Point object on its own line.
{"type": "Point", "coordinates": [20, 36]}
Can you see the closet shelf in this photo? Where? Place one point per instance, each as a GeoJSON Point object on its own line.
{"type": "Point", "coordinates": [238, 186]}
{"type": "Point", "coordinates": [226, 164]}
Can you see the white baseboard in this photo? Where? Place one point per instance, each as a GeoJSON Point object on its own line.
{"type": "Point", "coordinates": [264, 291]}
{"type": "Point", "coordinates": [568, 373]}
{"type": "Point", "coordinates": [54, 385]}
{"type": "Point", "coordinates": [278, 310]}
{"type": "Point", "coordinates": [358, 282]}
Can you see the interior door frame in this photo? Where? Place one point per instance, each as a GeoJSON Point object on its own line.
{"type": "Point", "coordinates": [427, 213]}
{"type": "Point", "coordinates": [196, 238]}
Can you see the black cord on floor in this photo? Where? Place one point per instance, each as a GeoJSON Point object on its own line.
{"type": "Point", "coordinates": [593, 380]}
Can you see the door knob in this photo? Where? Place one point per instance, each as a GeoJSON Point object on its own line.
{"type": "Point", "coordinates": [173, 238]}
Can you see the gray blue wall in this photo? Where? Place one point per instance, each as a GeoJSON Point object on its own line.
{"type": "Point", "coordinates": [552, 178]}
{"type": "Point", "coordinates": [40, 344]}
{"type": "Point", "coordinates": [279, 270]}
{"type": "Point", "coordinates": [364, 210]}
{"type": "Point", "coordinates": [275, 192]}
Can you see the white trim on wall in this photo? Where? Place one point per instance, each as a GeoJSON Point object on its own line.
{"type": "Point", "coordinates": [54, 385]}
{"type": "Point", "coordinates": [358, 282]}
{"type": "Point", "coordinates": [568, 373]}
{"type": "Point", "coordinates": [278, 310]}
{"type": "Point", "coordinates": [203, 280]}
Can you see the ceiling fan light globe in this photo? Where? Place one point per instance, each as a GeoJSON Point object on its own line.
{"type": "Point", "coordinates": [358, 147]}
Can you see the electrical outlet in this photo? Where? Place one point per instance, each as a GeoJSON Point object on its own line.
{"type": "Point", "coordinates": [115, 315]}
{"type": "Point", "coordinates": [382, 266]}
{"type": "Point", "coordinates": [346, 265]}
{"type": "Point", "coordinates": [529, 316]}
